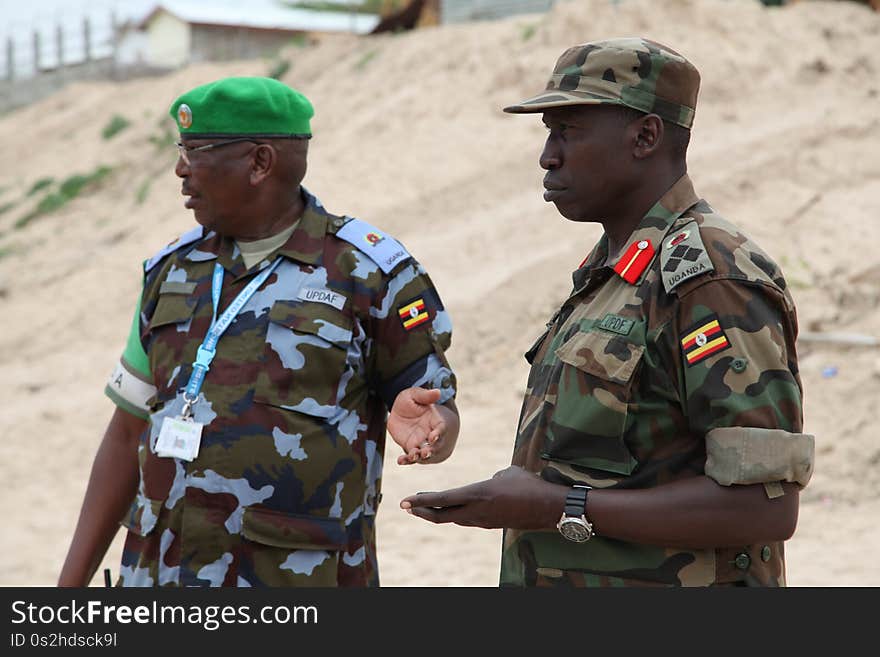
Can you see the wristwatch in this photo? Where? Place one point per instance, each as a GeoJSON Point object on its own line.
{"type": "Point", "coordinates": [573, 524]}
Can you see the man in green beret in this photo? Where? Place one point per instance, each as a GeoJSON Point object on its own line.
{"type": "Point", "coordinates": [272, 346]}
{"type": "Point", "coordinates": [660, 440]}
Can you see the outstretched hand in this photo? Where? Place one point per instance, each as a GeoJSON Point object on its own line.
{"type": "Point", "coordinates": [416, 424]}
{"type": "Point", "coordinates": [513, 498]}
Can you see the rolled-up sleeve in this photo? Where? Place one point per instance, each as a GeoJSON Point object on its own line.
{"type": "Point", "coordinates": [741, 382]}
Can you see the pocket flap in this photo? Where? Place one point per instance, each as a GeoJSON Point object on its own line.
{"type": "Point", "coordinates": [172, 308]}
{"type": "Point", "coordinates": [177, 287]}
{"type": "Point", "coordinates": [608, 357]}
{"type": "Point", "coordinates": [142, 516]}
{"type": "Point", "coordinates": [288, 530]}
{"type": "Point", "coordinates": [314, 318]}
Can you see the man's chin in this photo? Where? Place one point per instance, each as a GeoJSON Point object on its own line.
{"type": "Point", "coordinates": [203, 219]}
{"type": "Point", "coordinates": [567, 211]}
{"type": "Point", "coordinates": [573, 213]}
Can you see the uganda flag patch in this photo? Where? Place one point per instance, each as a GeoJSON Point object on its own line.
{"type": "Point", "coordinates": [703, 339]}
{"type": "Point", "coordinates": [413, 313]}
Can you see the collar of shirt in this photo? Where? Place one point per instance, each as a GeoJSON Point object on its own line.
{"type": "Point", "coordinates": [653, 227]}
{"type": "Point", "coordinates": [305, 244]}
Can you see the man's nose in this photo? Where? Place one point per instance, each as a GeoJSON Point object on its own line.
{"type": "Point", "coordinates": [181, 168]}
{"type": "Point", "coordinates": [550, 156]}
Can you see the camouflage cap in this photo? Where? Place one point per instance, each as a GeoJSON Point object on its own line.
{"type": "Point", "coordinates": [638, 73]}
{"type": "Point", "coordinates": [243, 106]}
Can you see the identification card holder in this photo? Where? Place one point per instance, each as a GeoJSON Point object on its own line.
{"type": "Point", "coordinates": [179, 438]}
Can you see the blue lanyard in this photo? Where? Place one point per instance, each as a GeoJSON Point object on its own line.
{"type": "Point", "coordinates": [208, 348]}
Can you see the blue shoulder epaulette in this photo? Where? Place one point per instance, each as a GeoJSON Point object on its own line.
{"type": "Point", "coordinates": [188, 237]}
{"type": "Point", "coordinates": [381, 248]}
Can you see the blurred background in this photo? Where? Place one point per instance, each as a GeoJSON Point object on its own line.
{"type": "Point", "coordinates": [409, 135]}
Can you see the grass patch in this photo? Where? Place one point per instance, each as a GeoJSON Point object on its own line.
{"type": "Point", "coordinates": [42, 183]}
{"type": "Point", "coordinates": [279, 68]}
{"type": "Point", "coordinates": [6, 207]}
{"type": "Point", "coordinates": [143, 192]}
{"type": "Point", "coordinates": [5, 251]}
{"type": "Point", "coordinates": [67, 191]}
{"type": "Point", "coordinates": [116, 125]}
{"type": "Point", "coordinates": [528, 31]}
{"type": "Point", "coordinates": [163, 140]}
{"type": "Point", "coordinates": [365, 59]}
{"type": "Point", "coordinates": [298, 41]}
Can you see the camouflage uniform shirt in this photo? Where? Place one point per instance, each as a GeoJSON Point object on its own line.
{"type": "Point", "coordinates": [286, 483]}
{"type": "Point", "coordinates": [690, 332]}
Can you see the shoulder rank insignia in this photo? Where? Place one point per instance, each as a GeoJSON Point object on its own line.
{"type": "Point", "coordinates": [703, 339]}
{"type": "Point", "coordinates": [188, 237]}
{"type": "Point", "coordinates": [683, 256]}
{"type": "Point", "coordinates": [382, 249]}
{"type": "Point", "coordinates": [413, 313]}
{"type": "Point", "coordinates": [635, 260]}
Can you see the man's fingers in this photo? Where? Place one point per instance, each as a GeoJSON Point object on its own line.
{"type": "Point", "coordinates": [425, 397]}
{"type": "Point", "coordinates": [422, 500]}
{"type": "Point", "coordinates": [437, 516]}
{"type": "Point", "coordinates": [437, 499]}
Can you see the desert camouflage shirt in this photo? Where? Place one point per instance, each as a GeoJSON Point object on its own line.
{"type": "Point", "coordinates": [688, 330]}
{"type": "Point", "coordinates": [286, 483]}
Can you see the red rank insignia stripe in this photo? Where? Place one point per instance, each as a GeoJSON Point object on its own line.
{"type": "Point", "coordinates": [413, 313]}
{"type": "Point", "coordinates": [703, 339]}
{"type": "Point", "coordinates": [635, 260]}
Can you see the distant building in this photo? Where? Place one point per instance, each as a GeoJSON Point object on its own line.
{"type": "Point", "coordinates": [176, 33]}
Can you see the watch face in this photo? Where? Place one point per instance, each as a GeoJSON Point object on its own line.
{"type": "Point", "coordinates": [573, 530]}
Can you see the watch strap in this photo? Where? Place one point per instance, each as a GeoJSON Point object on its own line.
{"type": "Point", "coordinates": [576, 501]}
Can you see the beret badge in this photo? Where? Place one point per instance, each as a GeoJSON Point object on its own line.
{"type": "Point", "coordinates": [184, 115]}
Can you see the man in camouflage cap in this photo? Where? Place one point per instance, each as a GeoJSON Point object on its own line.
{"type": "Point", "coordinates": [269, 343]}
{"type": "Point", "coordinates": [660, 440]}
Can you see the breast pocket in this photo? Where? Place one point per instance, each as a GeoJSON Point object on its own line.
{"type": "Point", "coordinates": [305, 358]}
{"type": "Point", "coordinates": [172, 308]}
{"type": "Point", "coordinates": [167, 335]}
{"type": "Point", "coordinates": [590, 402]}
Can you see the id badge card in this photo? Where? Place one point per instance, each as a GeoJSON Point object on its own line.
{"type": "Point", "coordinates": [179, 438]}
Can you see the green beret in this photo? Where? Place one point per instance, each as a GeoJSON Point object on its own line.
{"type": "Point", "coordinates": [234, 107]}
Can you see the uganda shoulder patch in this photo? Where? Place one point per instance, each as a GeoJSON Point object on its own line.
{"type": "Point", "coordinates": [382, 249]}
{"type": "Point", "coordinates": [703, 339]}
{"type": "Point", "coordinates": [683, 256]}
{"type": "Point", "coordinates": [413, 313]}
{"type": "Point", "coordinates": [188, 237]}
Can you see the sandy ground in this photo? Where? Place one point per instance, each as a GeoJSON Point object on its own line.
{"type": "Point", "coordinates": [409, 136]}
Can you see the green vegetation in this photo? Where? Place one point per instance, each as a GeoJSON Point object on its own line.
{"type": "Point", "coordinates": [143, 192]}
{"type": "Point", "coordinates": [67, 191]}
{"type": "Point", "coordinates": [117, 124]}
{"type": "Point", "coordinates": [299, 41]}
{"type": "Point", "coordinates": [6, 207]}
{"type": "Point", "coordinates": [166, 137]}
{"type": "Point", "coordinates": [40, 184]}
{"type": "Point", "coordinates": [5, 251]}
{"type": "Point", "coordinates": [528, 31]}
{"type": "Point", "coordinates": [365, 59]}
{"type": "Point", "coordinates": [279, 68]}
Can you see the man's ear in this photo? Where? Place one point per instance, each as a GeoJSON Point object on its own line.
{"type": "Point", "coordinates": [647, 136]}
{"type": "Point", "coordinates": [265, 161]}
